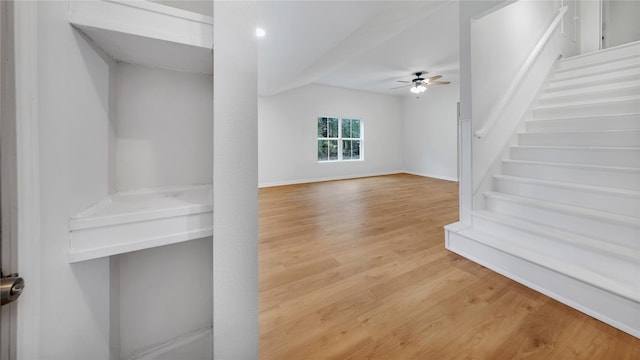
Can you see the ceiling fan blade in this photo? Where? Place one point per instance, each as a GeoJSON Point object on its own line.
{"type": "Point", "coordinates": [404, 81]}
{"type": "Point", "coordinates": [439, 83]}
{"type": "Point", "coordinates": [434, 78]}
{"type": "Point", "coordinates": [399, 87]}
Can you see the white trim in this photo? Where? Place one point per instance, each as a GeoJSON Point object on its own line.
{"type": "Point", "coordinates": [321, 179]}
{"type": "Point", "coordinates": [593, 301]}
{"type": "Point", "coordinates": [26, 78]}
{"type": "Point", "coordinates": [517, 80]}
{"type": "Point", "coordinates": [178, 345]}
{"type": "Point", "coordinates": [433, 176]}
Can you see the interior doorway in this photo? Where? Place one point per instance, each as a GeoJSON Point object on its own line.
{"type": "Point", "coordinates": [619, 22]}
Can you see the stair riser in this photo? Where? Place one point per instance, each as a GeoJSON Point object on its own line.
{"type": "Point", "coordinates": [607, 265]}
{"type": "Point", "coordinates": [617, 77]}
{"type": "Point", "coordinates": [587, 176]}
{"type": "Point", "coordinates": [620, 122]}
{"type": "Point", "coordinates": [595, 228]}
{"type": "Point", "coordinates": [599, 57]}
{"type": "Point", "coordinates": [603, 139]}
{"type": "Point", "coordinates": [589, 110]}
{"type": "Point", "coordinates": [584, 156]}
{"type": "Point", "coordinates": [553, 98]}
{"type": "Point", "coordinates": [613, 203]}
{"type": "Point", "coordinates": [623, 64]}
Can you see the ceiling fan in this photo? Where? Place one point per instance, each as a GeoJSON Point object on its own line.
{"type": "Point", "coordinates": [419, 84]}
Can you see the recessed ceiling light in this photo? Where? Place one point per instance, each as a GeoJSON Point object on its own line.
{"type": "Point", "coordinates": [260, 32]}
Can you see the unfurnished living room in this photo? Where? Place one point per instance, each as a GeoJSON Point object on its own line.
{"type": "Point", "coordinates": [353, 261]}
{"type": "Point", "coordinates": [240, 180]}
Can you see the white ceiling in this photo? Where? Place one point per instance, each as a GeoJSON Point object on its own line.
{"type": "Point", "coordinates": [363, 45]}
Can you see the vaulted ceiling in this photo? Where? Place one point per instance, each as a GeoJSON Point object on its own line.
{"type": "Point", "coordinates": [363, 45]}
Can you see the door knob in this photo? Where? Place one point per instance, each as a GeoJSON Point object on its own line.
{"type": "Point", "coordinates": [11, 287]}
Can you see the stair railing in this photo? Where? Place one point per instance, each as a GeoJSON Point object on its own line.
{"type": "Point", "coordinates": [517, 80]}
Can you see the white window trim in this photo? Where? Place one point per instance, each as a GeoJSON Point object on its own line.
{"type": "Point", "coordinates": [340, 138]}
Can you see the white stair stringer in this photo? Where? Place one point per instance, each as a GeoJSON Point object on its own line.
{"type": "Point", "coordinates": [562, 215]}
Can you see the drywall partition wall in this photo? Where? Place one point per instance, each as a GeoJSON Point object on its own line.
{"type": "Point", "coordinates": [164, 133]}
{"type": "Point", "coordinates": [431, 132]}
{"type": "Point", "coordinates": [590, 34]}
{"type": "Point", "coordinates": [235, 182]}
{"type": "Point", "coordinates": [500, 43]}
{"type": "Point", "coordinates": [287, 133]}
{"type": "Point", "coordinates": [73, 98]}
{"type": "Point", "coordinates": [165, 294]}
{"type": "Point", "coordinates": [469, 10]}
{"type": "Point", "coordinates": [502, 95]}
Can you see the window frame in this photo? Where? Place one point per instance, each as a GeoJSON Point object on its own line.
{"type": "Point", "coordinates": [340, 139]}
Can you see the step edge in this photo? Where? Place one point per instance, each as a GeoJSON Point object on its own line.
{"type": "Point", "coordinates": [556, 266]}
{"type": "Point", "coordinates": [592, 214]}
{"type": "Point", "coordinates": [573, 186]}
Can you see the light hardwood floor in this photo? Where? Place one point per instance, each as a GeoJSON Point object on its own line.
{"type": "Point", "coordinates": [357, 269]}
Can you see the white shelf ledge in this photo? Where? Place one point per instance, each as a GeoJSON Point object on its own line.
{"type": "Point", "coordinates": [141, 32]}
{"type": "Point", "coordinates": [137, 220]}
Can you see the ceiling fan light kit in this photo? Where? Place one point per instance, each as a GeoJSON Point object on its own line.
{"type": "Point", "coordinates": [419, 84]}
{"type": "Point", "coordinates": [418, 88]}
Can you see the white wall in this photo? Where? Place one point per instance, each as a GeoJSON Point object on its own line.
{"type": "Point", "coordinates": [431, 132]}
{"type": "Point", "coordinates": [500, 43]}
{"type": "Point", "coordinates": [164, 131]}
{"type": "Point", "coordinates": [287, 132]}
{"type": "Point", "coordinates": [165, 293]}
{"type": "Point", "coordinates": [73, 126]}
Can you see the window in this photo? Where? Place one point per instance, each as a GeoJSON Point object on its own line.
{"type": "Point", "coordinates": [339, 139]}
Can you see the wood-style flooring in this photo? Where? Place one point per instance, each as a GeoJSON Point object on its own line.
{"type": "Point", "coordinates": [357, 269]}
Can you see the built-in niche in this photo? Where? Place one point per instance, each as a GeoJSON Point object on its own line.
{"type": "Point", "coordinates": [161, 127]}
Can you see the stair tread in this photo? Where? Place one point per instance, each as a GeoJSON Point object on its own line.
{"type": "Point", "coordinates": [567, 185]}
{"type": "Point", "coordinates": [575, 271]}
{"type": "Point", "coordinates": [612, 70]}
{"type": "Point", "coordinates": [572, 118]}
{"type": "Point", "coordinates": [581, 91]}
{"type": "Point", "coordinates": [586, 166]}
{"type": "Point", "coordinates": [568, 209]}
{"type": "Point", "coordinates": [588, 102]}
{"type": "Point", "coordinates": [565, 61]}
{"type": "Point", "coordinates": [561, 235]}
{"type": "Point", "coordinates": [600, 52]}
{"type": "Point", "coordinates": [618, 76]}
{"type": "Point", "coordinates": [563, 147]}
{"type": "Point", "coordinates": [608, 131]}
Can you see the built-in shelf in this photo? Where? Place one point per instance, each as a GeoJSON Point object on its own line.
{"type": "Point", "coordinates": [137, 220]}
{"type": "Point", "coordinates": [147, 33]}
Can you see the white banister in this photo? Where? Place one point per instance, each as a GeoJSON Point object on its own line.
{"type": "Point", "coordinates": [517, 80]}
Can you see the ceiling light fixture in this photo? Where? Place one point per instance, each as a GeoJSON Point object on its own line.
{"type": "Point", "coordinates": [418, 87]}
{"type": "Point", "coordinates": [260, 32]}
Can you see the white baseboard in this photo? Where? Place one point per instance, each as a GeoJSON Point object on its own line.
{"type": "Point", "coordinates": [346, 177]}
{"type": "Point", "coordinates": [432, 176]}
{"type": "Point", "coordinates": [195, 345]}
{"type": "Point", "coordinates": [609, 308]}
{"type": "Point", "coordinates": [329, 178]}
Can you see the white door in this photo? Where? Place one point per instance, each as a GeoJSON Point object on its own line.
{"type": "Point", "coordinates": [11, 284]}
{"type": "Point", "coordinates": [620, 22]}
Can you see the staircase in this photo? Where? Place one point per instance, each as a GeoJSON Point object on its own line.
{"type": "Point", "coordinates": [563, 214]}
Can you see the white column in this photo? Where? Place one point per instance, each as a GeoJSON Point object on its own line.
{"type": "Point", "coordinates": [235, 182]}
